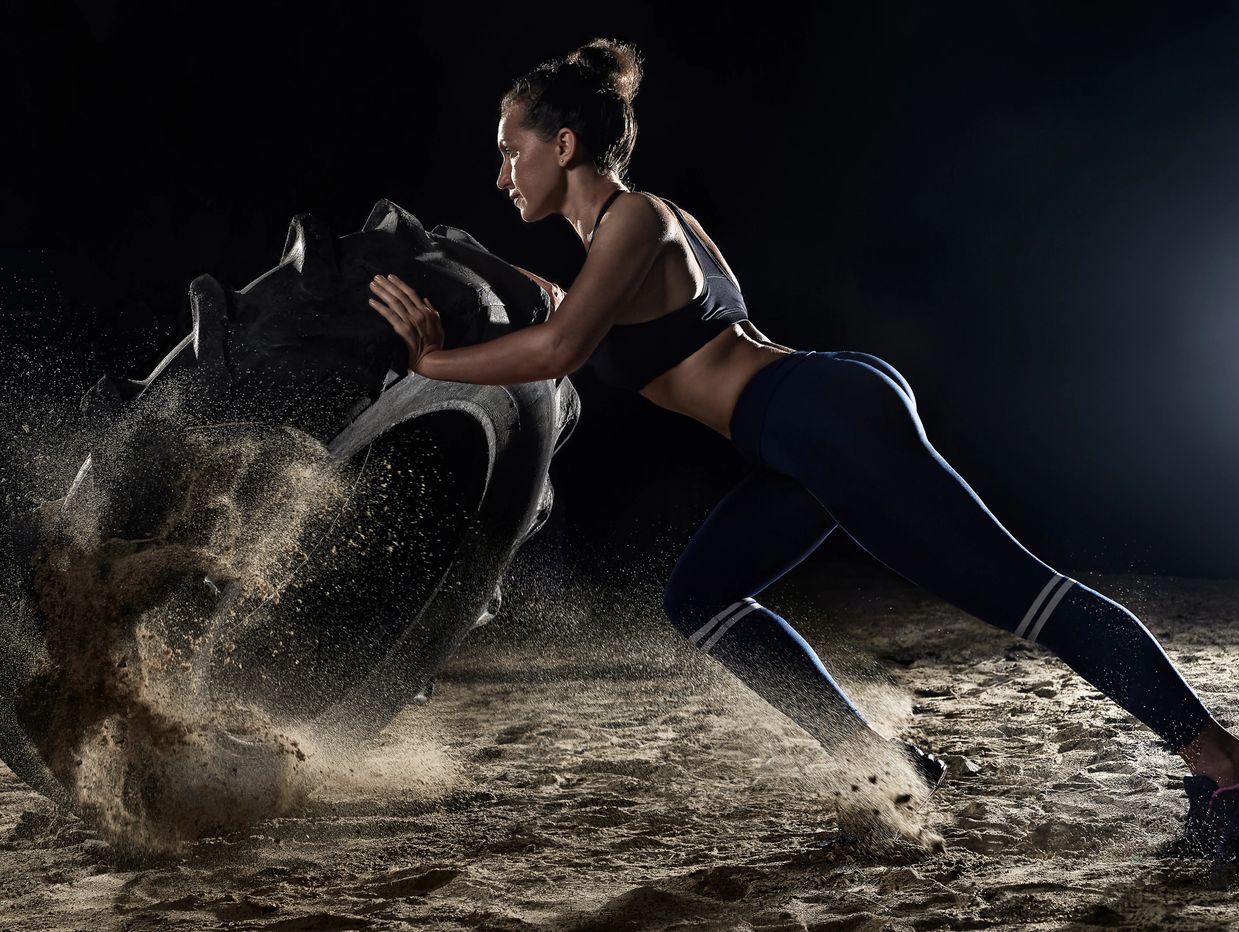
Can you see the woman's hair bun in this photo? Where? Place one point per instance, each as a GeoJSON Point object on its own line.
{"type": "Point", "coordinates": [616, 63]}
{"type": "Point", "coordinates": [590, 92]}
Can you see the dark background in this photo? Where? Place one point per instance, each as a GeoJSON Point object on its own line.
{"type": "Point", "coordinates": [1031, 209]}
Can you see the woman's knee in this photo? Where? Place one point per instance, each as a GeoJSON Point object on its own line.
{"type": "Point", "coordinates": [703, 619]}
{"type": "Point", "coordinates": [677, 606]}
{"type": "Point", "coordinates": [688, 608]}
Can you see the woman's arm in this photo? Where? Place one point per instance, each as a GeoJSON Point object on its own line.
{"type": "Point", "coordinates": [526, 355]}
{"type": "Point", "coordinates": [527, 359]}
{"type": "Point", "coordinates": [618, 262]}
{"type": "Point", "coordinates": [530, 354]}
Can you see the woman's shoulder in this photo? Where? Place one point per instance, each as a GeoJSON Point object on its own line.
{"type": "Point", "coordinates": [670, 211]}
{"type": "Point", "coordinates": [674, 217]}
{"type": "Point", "coordinates": [634, 200]}
{"type": "Point", "coordinates": [644, 208]}
{"type": "Point", "coordinates": [660, 204]}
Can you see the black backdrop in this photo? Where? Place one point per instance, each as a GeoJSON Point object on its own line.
{"type": "Point", "coordinates": [1031, 209]}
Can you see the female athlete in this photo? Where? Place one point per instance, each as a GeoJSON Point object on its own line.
{"type": "Point", "coordinates": [833, 438]}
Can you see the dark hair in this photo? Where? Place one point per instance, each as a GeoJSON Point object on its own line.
{"type": "Point", "coordinates": [590, 92]}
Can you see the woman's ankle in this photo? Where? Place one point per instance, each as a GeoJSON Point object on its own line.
{"type": "Point", "coordinates": [1215, 754]}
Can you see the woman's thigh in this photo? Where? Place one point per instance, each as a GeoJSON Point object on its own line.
{"type": "Point", "coordinates": [758, 531]}
{"type": "Point", "coordinates": [846, 430]}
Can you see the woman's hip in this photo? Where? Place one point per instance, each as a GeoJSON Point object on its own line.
{"type": "Point", "coordinates": [812, 400]}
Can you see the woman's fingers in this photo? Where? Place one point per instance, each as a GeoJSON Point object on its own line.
{"type": "Point", "coordinates": [405, 294]}
{"type": "Point", "coordinates": [403, 298]}
{"type": "Point", "coordinates": [398, 323]}
{"type": "Point", "coordinates": [398, 301]}
{"type": "Point", "coordinates": [429, 311]}
{"type": "Point", "coordinates": [407, 289]}
{"type": "Point", "coordinates": [393, 297]}
{"type": "Point", "coordinates": [407, 330]}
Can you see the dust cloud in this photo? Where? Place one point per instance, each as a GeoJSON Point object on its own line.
{"type": "Point", "coordinates": [170, 542]}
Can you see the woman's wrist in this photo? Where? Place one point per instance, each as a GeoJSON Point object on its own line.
{"type": "Point", "coordinates": [419, 365]}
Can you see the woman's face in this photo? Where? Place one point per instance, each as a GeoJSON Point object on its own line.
{"type": "Point", "coordinates": [529, 170]}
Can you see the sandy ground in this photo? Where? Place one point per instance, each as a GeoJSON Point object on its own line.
{"type": "Point", "coordinates": [593, 772]}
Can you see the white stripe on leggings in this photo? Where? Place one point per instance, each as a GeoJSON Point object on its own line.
{"type": "Point", "coordinates": [1049, 609]}
{"type": "Point", "coordinates": [744, 606]}
{"type": "Point", "coordinates": [1042, 614]}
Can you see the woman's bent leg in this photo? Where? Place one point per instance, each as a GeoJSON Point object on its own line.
{"type": "Point", "coordinates": [851, 435]}
{"type": "Point", "coordinates": [761, 529]}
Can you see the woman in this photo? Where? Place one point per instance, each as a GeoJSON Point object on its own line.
{"type": "Point", "coordinates": [834, 439]}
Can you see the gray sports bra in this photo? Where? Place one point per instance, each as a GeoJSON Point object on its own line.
{"type": "Point", "coordinates": [630, 356]}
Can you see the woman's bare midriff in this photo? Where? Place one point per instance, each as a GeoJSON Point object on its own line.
{"type": "Point", "coordinates": [706, 385]}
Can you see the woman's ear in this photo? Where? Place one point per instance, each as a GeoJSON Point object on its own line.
{"type": "Point", "coordinates": [565, 146]}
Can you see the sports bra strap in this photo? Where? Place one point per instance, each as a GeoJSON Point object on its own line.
{"type": "Point", "coordinates": [706, 250]}
{"type": "Point", "coordinates": [605, 205]}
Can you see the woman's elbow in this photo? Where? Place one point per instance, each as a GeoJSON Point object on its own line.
{"type": "Point", "coordinates": [564, 363]}
{"type": "Point", "coordinates": [563, 355]}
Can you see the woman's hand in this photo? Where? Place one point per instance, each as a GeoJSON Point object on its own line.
{"type": "Point", "coordinates": [413, 317]}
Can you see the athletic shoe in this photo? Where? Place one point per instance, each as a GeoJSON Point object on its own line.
{"type": "Point", "coordinates": [932, 773]}
{"type": "Point", "coordinates": [1211, 828]}
{"type": "Point", "coordinates": [930, 769]}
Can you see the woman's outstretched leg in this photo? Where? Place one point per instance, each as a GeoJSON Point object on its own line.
{"type": "Point", "coordinates": [850, 434]}
{"type": "Point", "coordinates": [761, 529]}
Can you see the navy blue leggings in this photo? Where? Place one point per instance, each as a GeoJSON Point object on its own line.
{"type": "Point", "coordinates": [835, 440]}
